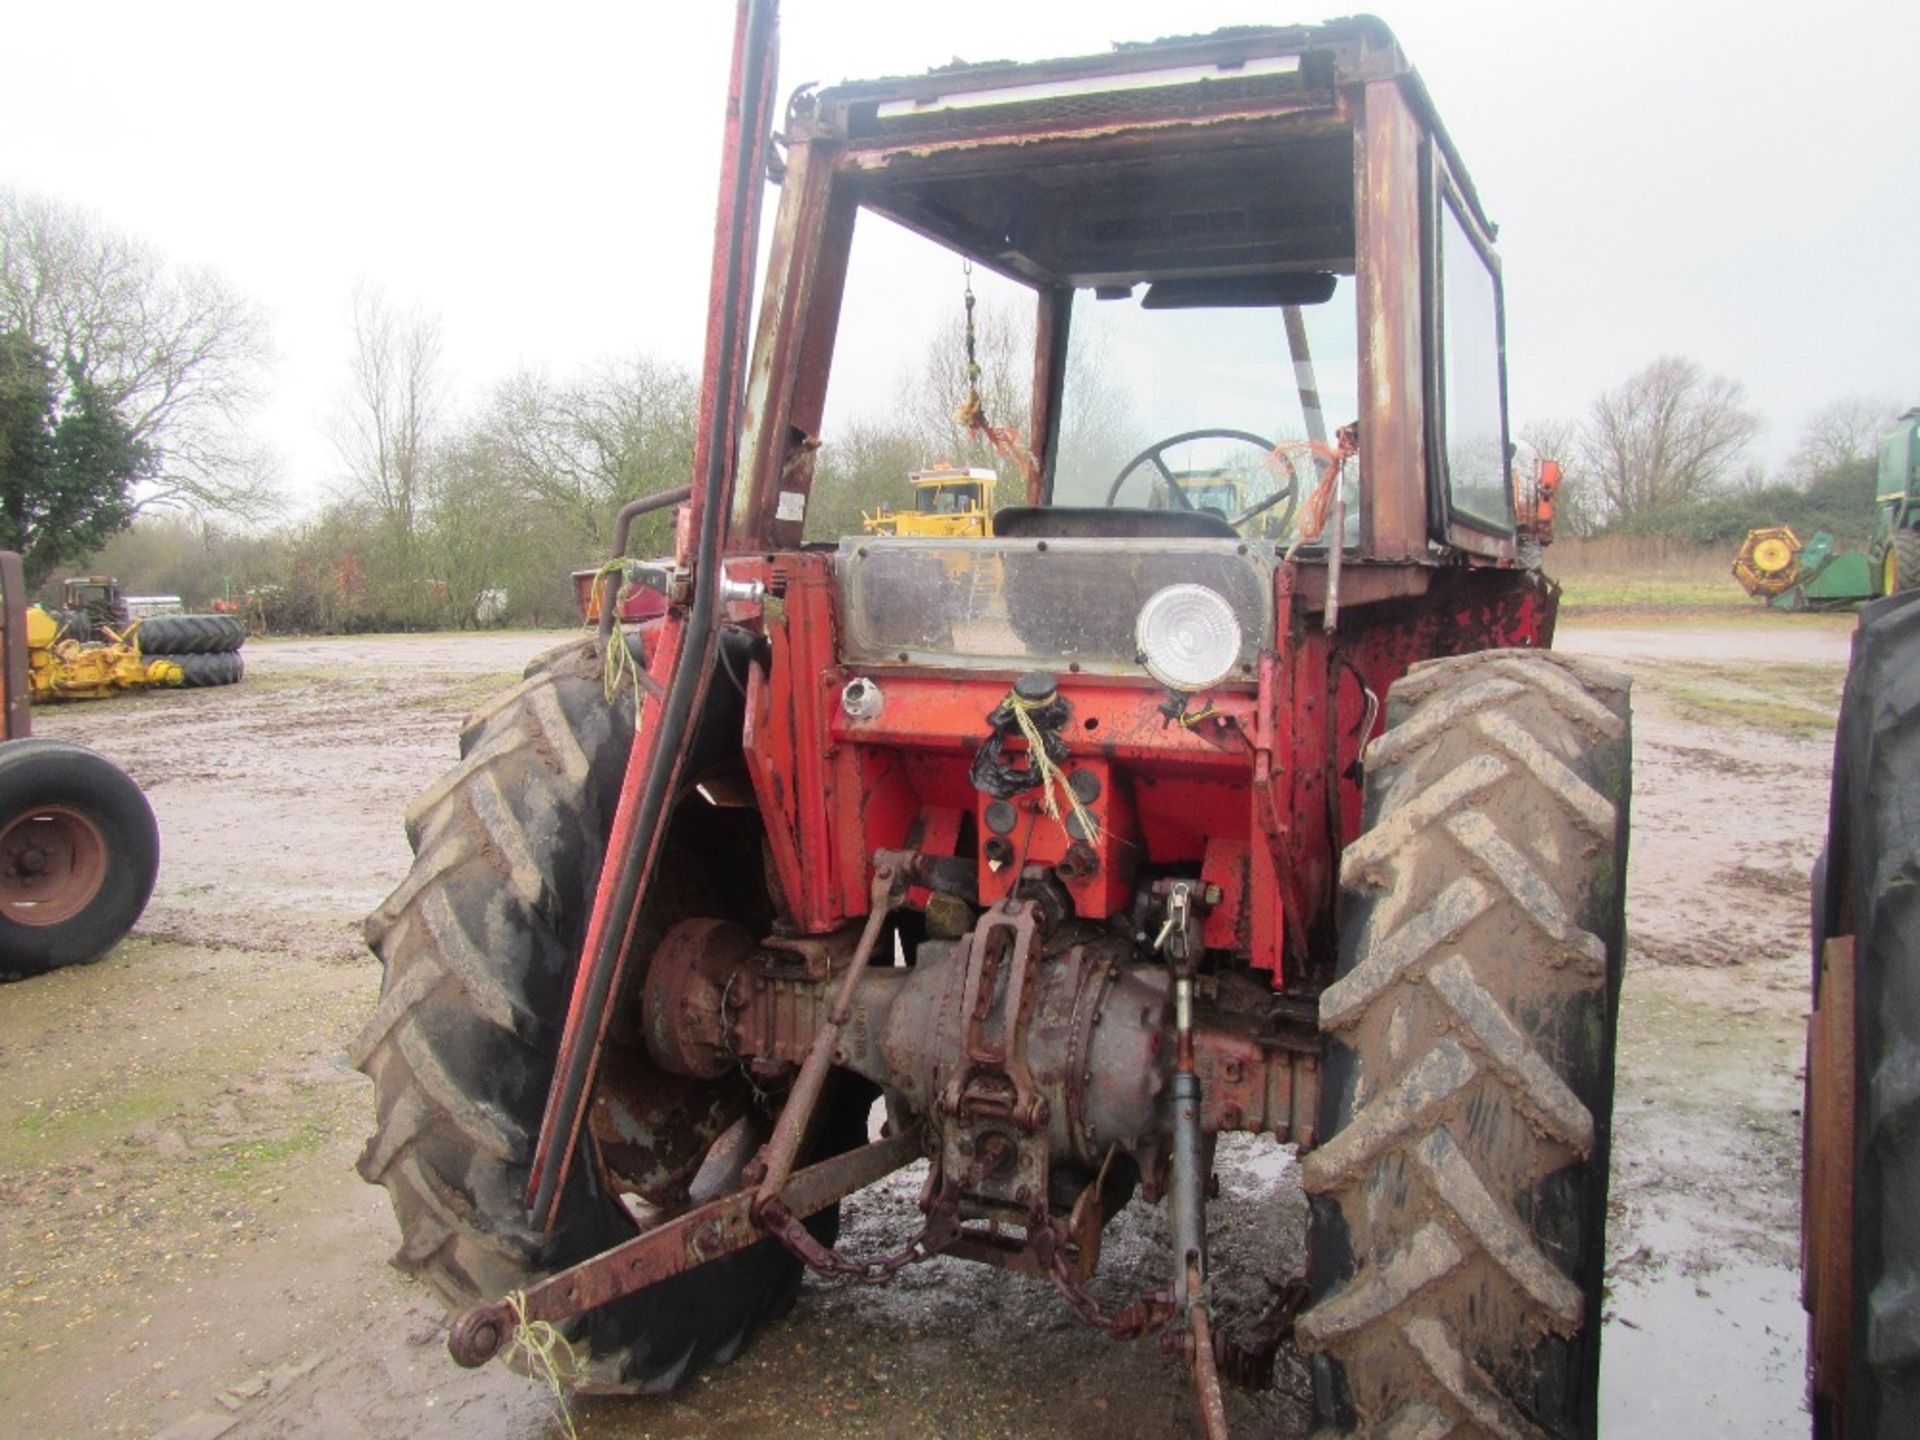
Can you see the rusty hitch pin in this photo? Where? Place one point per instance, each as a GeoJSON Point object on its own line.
{"type": "Point", "coordinates": [783, 1147]}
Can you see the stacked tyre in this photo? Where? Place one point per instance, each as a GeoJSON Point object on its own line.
{"type": "Point", "coordinates": [205, 647]}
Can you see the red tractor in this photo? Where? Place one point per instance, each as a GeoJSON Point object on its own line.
{"type": "Point", "coordinates": [1081, 845]}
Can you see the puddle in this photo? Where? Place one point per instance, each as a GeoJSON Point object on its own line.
{"type": "Point", "coordinates": [1716, 1352]}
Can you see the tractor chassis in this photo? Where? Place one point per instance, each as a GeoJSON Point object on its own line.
{"type": "Point", "coordinates": [1028, 1047]}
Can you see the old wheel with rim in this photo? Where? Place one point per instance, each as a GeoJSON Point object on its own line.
{"type": "Point", "coordinates": [78, 854]}
{"type": "Point", "coordinates": [1459, 1201]}
{"type": "Point", "coordinates": [53, 861]}
{"type": "Point", "coordinates": [479, 944]}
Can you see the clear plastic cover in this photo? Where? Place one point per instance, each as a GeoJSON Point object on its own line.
{"type": "Point", "coordinates": [1027, 604]}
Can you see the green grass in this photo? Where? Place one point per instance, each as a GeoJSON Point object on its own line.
{"type": "Point", "coordinates": [471, 691]}
{"type": "Point", "coordinates": [1786, 698]}
{"type": "Point", "coordinates": [44, 1129]}
{"type": "Point", "coordinates": [1783, 717]}
{"type": "Point", "coordinates": [241, 1161]}
{"type": "Point", "coordinates": [1604, 590]}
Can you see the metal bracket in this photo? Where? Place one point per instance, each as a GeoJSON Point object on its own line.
{"type": "Point", "coordinates": [720, 1227]}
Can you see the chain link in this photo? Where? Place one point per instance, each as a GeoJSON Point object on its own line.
{"type": "Point", "coordinates": [940, 1230]}
{"type": "Point", "coordinates": [1145, 1315]}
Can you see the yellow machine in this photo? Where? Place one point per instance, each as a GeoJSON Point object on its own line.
{"type": "Point", "coordinates": [83, 670]}
{"type": "Point", "coordinates": [947, 501]}
{"type": "Point", "coordinates": [1219, 490]}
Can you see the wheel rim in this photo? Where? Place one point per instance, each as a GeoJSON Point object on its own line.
{"type": "Point", "coordinates": [53, 862]}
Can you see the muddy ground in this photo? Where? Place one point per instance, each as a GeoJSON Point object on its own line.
{"type": "Point", "coordinates": [186, 1251]}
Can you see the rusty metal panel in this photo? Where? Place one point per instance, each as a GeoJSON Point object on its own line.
{"type": "Point", "coordinates": [1052, 322]}
{"type": "Point", "coordinates": [1826, 1220]}
{"type": "Point", "coordinates": [14, 695]}
{"type": "Point", "coordinates": [799, 314]}
{"type": "Point", "coordinates": [1393, 459]}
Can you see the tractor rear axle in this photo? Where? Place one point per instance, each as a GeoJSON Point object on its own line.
{"type": "Point", "coordinates": [1040, 1068]}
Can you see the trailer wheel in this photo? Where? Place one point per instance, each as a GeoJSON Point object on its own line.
{"type": "Point", "coordinates": [1458, 1202]}
{"type": "Point", "coordinates": [78, 854]}
{"type": "Point", "coordinates": [1868, 886]}
{"type": "Point", "coordinates": [480, 944]}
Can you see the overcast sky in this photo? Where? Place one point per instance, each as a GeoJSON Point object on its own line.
{"type": "Point", "coordinates": [1736, 182]}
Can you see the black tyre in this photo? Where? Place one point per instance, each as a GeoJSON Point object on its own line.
{"type": "Point", "coordinates": [78, 854]}
{"type": "Point", "coordinates": [1458, 1203]}
{"type": "Point", "coordinates": [1869, 887]}
{"type": "Point", "coordinates": [1902, 561]}
{"type": "Point", "coordinates": [203, 670]}
{"type": "Point", "coordinates": [74, 624]}
{"type": "Point", "coordinates": [480, 943]}
{"type": "Point", "coordinates": [191, 634]}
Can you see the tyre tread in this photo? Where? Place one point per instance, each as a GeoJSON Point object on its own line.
{"type": "Point", "coordinates": [1483, 906]}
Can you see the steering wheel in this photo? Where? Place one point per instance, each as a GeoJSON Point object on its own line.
{"type": "Point", "coordinates": [1281, 503]}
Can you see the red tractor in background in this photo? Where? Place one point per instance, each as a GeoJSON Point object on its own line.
{"type": "Point", "coordinates": [1080, 845]}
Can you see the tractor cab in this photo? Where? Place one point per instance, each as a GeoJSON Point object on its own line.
{"type": "Point", "coordinates": [98, 598]}
{"type": "Point", "coordinates": [1208, 253]}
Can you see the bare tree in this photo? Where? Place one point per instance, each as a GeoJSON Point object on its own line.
{"type": "Point", "coordinates": [587, 446]}
{"type": "Point", "coordinates": [384, 429]}
{"type": "Point", "coordinates": [1842, 435]}
{"type": "Point", "coordinates": [1668, 434]}
{"type": "Point", "coordinates": [177, 352]}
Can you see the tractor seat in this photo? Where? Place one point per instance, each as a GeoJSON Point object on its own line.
{"type": "Point", "coordinates": [1100, 522]}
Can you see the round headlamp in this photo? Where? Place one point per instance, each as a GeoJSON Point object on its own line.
{"type": "Point", "coordinates": [1188, 637]}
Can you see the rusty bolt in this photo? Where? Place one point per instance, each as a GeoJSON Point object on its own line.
{"type": "Point", "coordinates": [1232, 1071]}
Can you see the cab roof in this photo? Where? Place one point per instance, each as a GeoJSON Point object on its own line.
{"type": "Point", "coordinates": [1225, 154]}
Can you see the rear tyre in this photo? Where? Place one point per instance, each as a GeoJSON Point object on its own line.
{"type": "Point", "coordinates": [1458, 1205]}
{"type": "Point", "coordinates": [1903, 561]}
{"type": "Point", "coordinates": [479, 945]}
{"type": "Point", "coordinates": [78, 854]}
{"type": "Point", "coordinates": [191, 634]}
{"type": "Point", "coordinates": [1870, 888]}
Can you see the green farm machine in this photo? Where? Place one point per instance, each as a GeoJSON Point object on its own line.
{"type": "Point", "coordinates": [1789, 573]}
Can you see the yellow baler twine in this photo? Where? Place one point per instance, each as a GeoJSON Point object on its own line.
{"type": "Point", "coordinates": [1043, 764]}
{"type": "Point", "coordinates": [618, 664]}
{"type": "Point", "coordinates": [549, 1357]}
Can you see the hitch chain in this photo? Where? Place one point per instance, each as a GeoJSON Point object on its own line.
{"type": "Point", "coordinates": [1144, 1316]}
{"type": "Point", "coordinates": [940, 1231]}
